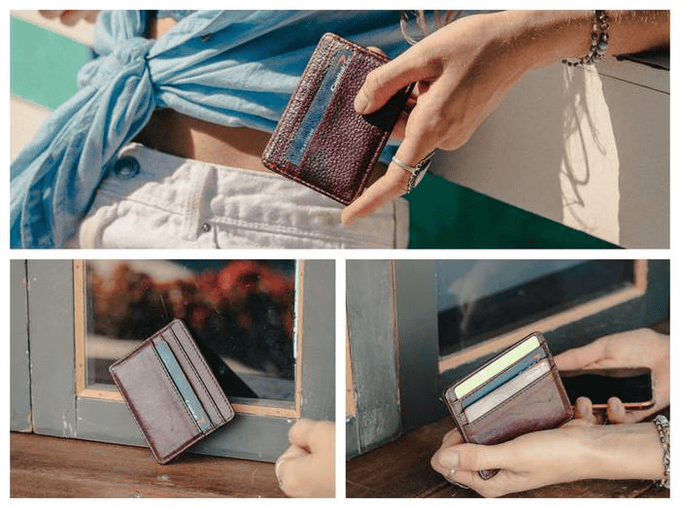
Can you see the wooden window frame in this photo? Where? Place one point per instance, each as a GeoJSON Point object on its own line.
{"type": "Point", "coordinates": [553, 321]}
{"type": "Point", "coordinates": [58, 409]}
{"type": "Point", "coordinates": [281, 409]}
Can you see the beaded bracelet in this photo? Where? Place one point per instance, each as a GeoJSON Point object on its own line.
{"type": "Point", "coordinates": [663, 428]}
{"type": "Point", "coordinates": [599, 44]}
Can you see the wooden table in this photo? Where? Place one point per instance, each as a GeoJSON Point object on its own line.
{"type": "Point", "coordinates": [402, 469]}
{"type": "Point", "coordinates": [42, 466]}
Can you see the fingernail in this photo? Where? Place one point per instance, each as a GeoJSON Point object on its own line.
{"type": "Point", "coordinates": [581, 406]}
{"type": "Point", "coordinates": [360, 102]}
{"type": "Point", "coordinates": [615, 405]}
{"type": "Point", "coordinates": [449, 459]}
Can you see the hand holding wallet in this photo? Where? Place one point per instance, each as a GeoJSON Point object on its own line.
{"type": "Point", "coordinates": [171, 392]}
{"type": "Point", "coordinates": [320, 140]}
{"type": "Point", "coordinates": [517, 392]}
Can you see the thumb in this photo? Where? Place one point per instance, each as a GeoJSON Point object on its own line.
{"type": "Point", "coordinates": [471, 457]}
{"type": "Point", "coordinates": [385, 81]}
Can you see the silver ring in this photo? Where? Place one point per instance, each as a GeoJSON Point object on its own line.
{"type": "Point", "coordinates": [417, 172]}
{"type": "Point", "coordinates": [277, 466]}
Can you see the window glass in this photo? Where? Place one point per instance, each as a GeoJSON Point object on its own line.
{"type": "Point", "coordinates": [477, 300]}
{"type": "Point", "coordinates": [241, 313]}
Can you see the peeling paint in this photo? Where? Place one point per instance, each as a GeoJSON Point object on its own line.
{"type": "Point", "coordinates": [67, 425]}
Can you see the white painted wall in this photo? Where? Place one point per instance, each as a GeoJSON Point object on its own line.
{"type": "Point", "coordinates": [589, 148]}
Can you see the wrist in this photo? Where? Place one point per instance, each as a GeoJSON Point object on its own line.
{"type": "Point", "coordinates": [547, 37]}
{"type": "Point", "coordinates": [624, 452]}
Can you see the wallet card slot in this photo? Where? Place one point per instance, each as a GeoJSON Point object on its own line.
{"type": "Point", "coordinates": [536, 407]}
{"type": "Point", "coordinates": [506, 391]}
{"type": "Point", "coordinates": [328, 146]}
{"type": "Point", "coordinates": [302, 137]}
{"type": "Point", "coordinates": [515, 369]}
{"type": "Point", "coordinates": [183, 387]}
{"type": "Point", "coordinates": [170, 337]}
{"type": "Point", "coordinates": [497, 365]}
{"type": "Point", "coordinates": [343, 137]}
{"type": "Point", "coordinates": [187, 353]}
{"type": "Point", "coordinates": [155, 402]}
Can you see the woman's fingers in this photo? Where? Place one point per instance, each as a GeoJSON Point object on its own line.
{"type": "Point", "coordinates": [311, 434]}
{"type": "Point", "coordinates": [383, 82]}
{"type": "Point", "coordinates": [581, 357]}
{"type": "Point", "coordinates": [394, 183]}
{"type": "Point", "coordinates": [452, 438]}
{"type": "Point", "coordinates": [471, 457]}
{"type": "Point", "coordinates": [386, 188]}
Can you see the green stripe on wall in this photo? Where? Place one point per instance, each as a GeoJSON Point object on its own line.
{"type": "Point", "coordinates": [43, 64]}
{"type": "Point", "coordinates": [445, 215]}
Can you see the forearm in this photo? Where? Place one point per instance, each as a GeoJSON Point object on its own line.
{"type": "Point", "coordinates": [545, 37]}
{"type": "Point", "coordinates": [626, 451]}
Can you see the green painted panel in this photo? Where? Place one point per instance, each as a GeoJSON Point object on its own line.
{"type": "Point", "coordinates": [43, 64]}
{"type": "Point", "coordinates": [446, 215]}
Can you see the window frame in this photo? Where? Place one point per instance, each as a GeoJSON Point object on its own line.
{"type": "Point", "coordinates": [59, 408]}
{"type": "Point", "coordinates": [283, 409]}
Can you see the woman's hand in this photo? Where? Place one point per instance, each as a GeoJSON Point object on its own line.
{"type": "Point", "coordinates": [636, 348]}
{"type": "Point", "coordinates": [307, 467]}
{"type": "Point", "coordinates": [527, 462]}
{"type": "Point", "coordinates": [575, 451]}
{"type": "Point", "coordinates": [464, 71]}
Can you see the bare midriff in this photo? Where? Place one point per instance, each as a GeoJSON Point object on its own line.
{"type": "Point", "coordinates": [177, 134]}
{"type": "Point", "coordinates": [171, 132]}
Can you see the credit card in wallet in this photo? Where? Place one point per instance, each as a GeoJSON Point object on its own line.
{"type": "Point", "coordinates": [521, 365]}
{"type": "Point", "coordinates": [191, 401]}
{"type": "Point", "coordinates": [499, 364]}
{"type": "Point", "coordinates": [505, 391]}
{"type": "Point", "coordinates": [517, 392]}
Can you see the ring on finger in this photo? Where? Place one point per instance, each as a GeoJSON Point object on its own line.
{"type": "Point", "coordinates": [277, 468]}
{"type": "Point", "coordinates": [417, 172]}
{"type": "Point", "coordinates": [449, 478]}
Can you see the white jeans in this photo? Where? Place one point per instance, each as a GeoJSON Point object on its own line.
{"type": "Point", "coordinates": [155, 200]}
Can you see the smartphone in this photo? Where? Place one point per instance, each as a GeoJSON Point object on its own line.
{"type": "Point", "coordinates": [633, 386]}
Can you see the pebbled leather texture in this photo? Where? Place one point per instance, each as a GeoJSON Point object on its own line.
{"type": "Point", "coordinates": [320, 140]}
{"type": "Point", "coordinates": [542, 404]}
{"type": "Point", "coordinates": [167, 419]}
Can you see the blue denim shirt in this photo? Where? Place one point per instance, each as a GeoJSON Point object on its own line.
{"type": "Point", "coordinates": [234, 68]}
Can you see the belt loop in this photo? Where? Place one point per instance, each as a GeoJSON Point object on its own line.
{"type": "Point", "coordinates": [194, 209]}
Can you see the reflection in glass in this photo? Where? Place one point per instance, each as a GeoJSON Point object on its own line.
{"type": "Point", "coordinates": [241, 313]}
{"type": "Point", "coordinates": [477, 300]}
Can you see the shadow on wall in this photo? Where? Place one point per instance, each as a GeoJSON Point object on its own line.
{"type": "Point", "coordinates": [589, 170]}
{"type": "Point", "coordinates": [548, 148]}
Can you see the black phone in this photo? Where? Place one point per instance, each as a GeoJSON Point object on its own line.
{"type": "Point", "coordinates": [633, 386]}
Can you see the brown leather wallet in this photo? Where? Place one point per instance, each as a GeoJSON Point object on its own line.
{"type": "Point", "coordinates": [171, 392]}
{"type": "Point", "coordinates": [320, 140]}
{"type": "Point", "coordinates": [517, 392]}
